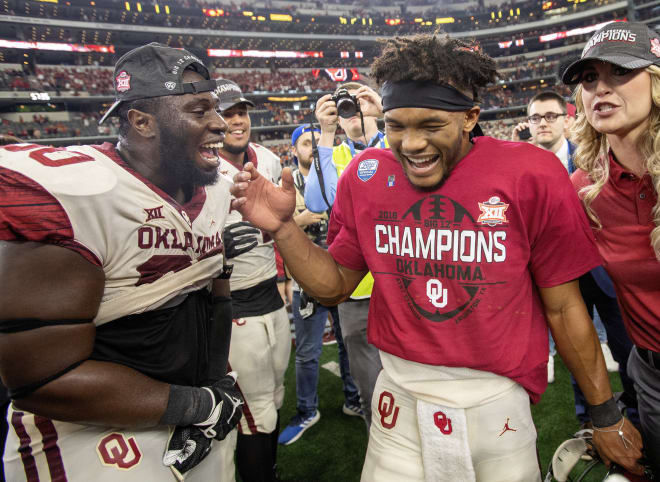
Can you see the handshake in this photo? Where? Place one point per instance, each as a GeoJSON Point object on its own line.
{"type": "Point", "coordinates": [189, 445]}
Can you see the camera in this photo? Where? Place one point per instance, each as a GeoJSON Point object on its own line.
{"type": "Point", "coordinates": [318, 232]}
{"type": "Point", "coordinates": [347, 104]}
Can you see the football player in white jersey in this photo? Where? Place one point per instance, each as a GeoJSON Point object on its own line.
{"type": "Point", "coordinates": [114, 326]}
{"type": "Point", "coordinates": [261, 335]}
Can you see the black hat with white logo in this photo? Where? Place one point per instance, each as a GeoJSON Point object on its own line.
{"type": "Point", "coordinates": [229, 94]}
{"type": "Point", "coordinates": [631, 45]}
{"type": "Point", "coordinates": [156, 70]}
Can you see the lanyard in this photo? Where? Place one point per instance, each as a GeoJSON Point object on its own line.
{"type": "Point", "coordinates": [376, 139]}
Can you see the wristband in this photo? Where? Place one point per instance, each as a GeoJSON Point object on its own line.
{"type": "Point", "coordinates": [186, 406]}
{"type": "Point", "coordinates": [605, 414]}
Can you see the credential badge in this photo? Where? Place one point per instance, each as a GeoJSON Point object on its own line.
{"type": "Point", "coordinates": [367, 169]}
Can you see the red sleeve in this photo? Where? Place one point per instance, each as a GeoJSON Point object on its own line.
{"type": "Point", "coordinates": [30, 213]}
{"type": "Point", "coordinates": [561, 240]}
{"type": "Point", "coordinates": [344, 245]}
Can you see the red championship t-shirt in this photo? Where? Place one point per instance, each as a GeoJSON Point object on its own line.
{"type": "Point", "coordinates": [456, 268]}
{"type": "Point", "coordinates": [625, 210]}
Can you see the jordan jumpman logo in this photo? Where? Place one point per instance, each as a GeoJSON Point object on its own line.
{"type": "Point", "coordinates": [506, 428]}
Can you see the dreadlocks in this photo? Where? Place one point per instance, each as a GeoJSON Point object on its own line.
{"type": "Point", "coordinates": [430, 58]}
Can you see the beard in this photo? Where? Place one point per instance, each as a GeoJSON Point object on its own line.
{"type": "Point", "coordinates": [306, 164]}
{"type": "Point", "coordinates": [178, 160]}
{"type": "Point", "coordinates": [235, 148]}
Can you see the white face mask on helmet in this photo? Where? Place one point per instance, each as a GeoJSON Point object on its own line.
{"type": "Point", "coordinates": [573, 460]}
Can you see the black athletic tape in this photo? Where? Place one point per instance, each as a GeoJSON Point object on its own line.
{"type": "Point", "coordinates": [605, 414]}
{"type": "Point", "coordinates": [26, 324]}
{"type": "Point", "coordinates": [187, 405]}
{"type": "Point", "coordinates": [428, 95]}
{"type": "Point", "coordinates": [24, 391]}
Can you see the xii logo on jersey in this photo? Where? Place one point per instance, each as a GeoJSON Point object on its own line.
{"type": "Point", "coordinates": [154, 213]}
{"type": "Point", "coordinates": [116, 449]}
{"type": "Point", "coordinates": [492, 212]}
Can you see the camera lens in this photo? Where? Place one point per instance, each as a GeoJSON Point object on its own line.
{"type": "Point", "coordinates": [346, 108]}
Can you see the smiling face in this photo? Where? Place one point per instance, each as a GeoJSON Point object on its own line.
{"type": "Point", "coordinates": [429, 142]}
{"type": "Point", "coordinates": [238, 134]}
{"type": "Point", "coordinates": [190, 134]}
{"type": "Point", "coordinates": [616, 101]}
{"type": "Point", "coordinates": [548, 135]}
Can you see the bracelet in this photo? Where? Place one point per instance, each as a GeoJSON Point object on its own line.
{"type": "Point", "coordinates": [605, 414]}
{"type": "Point", "coordinates": [626, 443]}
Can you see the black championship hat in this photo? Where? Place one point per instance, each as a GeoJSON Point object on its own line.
{"type": "Point", "coordinates": [229, 94]}
{"type": "Point", "coordinates": [155, 70]}
{"type": "Point", "coordinates": [631, 45]}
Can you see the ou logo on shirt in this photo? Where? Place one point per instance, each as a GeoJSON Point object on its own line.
{"type": "Point", "coordinates": [116, 449]}
{"type": "Point", "coordinates": [436, 293]}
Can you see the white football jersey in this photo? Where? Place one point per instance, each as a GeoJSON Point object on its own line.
{"type": "Point", "coordinates": [258, 264]}
{"type": "Point", "coordinates": [151, 248]}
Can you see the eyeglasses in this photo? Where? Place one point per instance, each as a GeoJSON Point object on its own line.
{"type": "Point", "coordinates": [548, 116]}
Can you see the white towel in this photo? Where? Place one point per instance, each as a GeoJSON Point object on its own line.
{"type": "Point", "coordinates": [445, 450]}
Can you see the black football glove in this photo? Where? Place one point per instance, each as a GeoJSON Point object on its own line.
{"type": "Point", "coordinates": [186, 448]}
{"type": "Point", "coordinates": [239, 238]}
{"type": "Point", "coordinates": [227, 408]}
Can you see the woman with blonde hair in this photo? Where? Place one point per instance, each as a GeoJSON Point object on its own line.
{"type": "Point", "coordinates": [618, 156]}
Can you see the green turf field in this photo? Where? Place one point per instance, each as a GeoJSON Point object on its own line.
{"type": "Point", "coordinates": [334, 448]}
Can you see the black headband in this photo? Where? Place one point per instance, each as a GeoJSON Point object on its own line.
{"type": "Point", "coordinates": [410, 93]}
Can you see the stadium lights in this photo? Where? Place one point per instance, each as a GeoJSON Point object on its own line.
{"type": "Point", "coordinates": [262, 53]}
{"type": "Point", "coordinates": [288, 99]}
{"type": "Point", "coordinates": [440, 20]}
{"type": "Point", "coordinates": [14, 44]}
{"type": "Point", "coordinates": [280, 17]}
{"type": "Point", "coordinates": [213, 12]}
{"type": "Point", "coordinates": [576, 31]}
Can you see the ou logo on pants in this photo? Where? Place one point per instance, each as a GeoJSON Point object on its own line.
{"type": "Point", "coordinates": [386, 408]}
{"type": "Point", "coordinates": [115, 449]}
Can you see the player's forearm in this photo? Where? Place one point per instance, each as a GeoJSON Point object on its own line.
{"type": "Point", "coordinates": [312, 267]}
{"type": "Point", "coordinates": [578, 345]}
{"type": "Point", "coordinates": [100, 393]}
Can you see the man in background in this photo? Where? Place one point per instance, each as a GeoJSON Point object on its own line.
{"type": "Point", "coordinates": [361, 131]}
{"type": "Point", "coordinates": [549, 120]}
{"type": "Point", "coordinates": [310, 317]}
{"type": "Point", "coordinates": [261, 337]}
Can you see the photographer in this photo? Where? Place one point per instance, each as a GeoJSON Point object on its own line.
{"type": "Point", "coordinates": [355, 108]}
{"type": "Point", "coordinates": [308, 316]}
{"type": "Point", "coordinates": [360, 106]}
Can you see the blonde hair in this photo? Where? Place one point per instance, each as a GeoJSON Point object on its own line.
{"type": "Point", "coordinates": [591, 155]}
